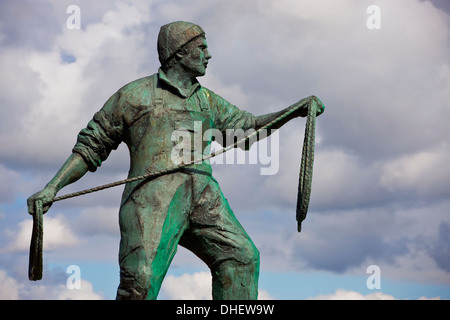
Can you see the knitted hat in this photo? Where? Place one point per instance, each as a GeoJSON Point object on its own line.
{"type": "Point", "coordinates": [174, 36]}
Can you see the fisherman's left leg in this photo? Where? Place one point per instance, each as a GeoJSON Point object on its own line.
{"type": "Point", "coordinates": [216, 236]}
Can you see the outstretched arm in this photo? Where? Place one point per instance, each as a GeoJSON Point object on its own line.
{"type": "Point", "coordinates": [72, 170]}
{"type": "Point", "coordinates": [94, 143]}
{"type": "Point", "coordinates": [302, 111]}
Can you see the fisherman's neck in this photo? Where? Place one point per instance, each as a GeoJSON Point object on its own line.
{"type": "Point", "coordinates": [180, 78]}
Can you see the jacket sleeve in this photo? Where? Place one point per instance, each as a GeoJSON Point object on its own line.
{"type": "Point", "coordinates": [102, 134]}
{"type": "Point", "coordinates": [230, 120]}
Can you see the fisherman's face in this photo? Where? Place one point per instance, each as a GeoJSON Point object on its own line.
{"type": "Point", "coordinates": [196, 59]}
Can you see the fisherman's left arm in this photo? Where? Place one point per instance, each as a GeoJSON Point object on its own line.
{"type": "Point", "coordinates": [298, 109]}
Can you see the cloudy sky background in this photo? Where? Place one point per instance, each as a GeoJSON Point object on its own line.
{"type": "Point", "coordinates": [381, 191]}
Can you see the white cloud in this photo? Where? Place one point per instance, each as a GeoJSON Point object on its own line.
{"type": "Point", "coordinates": [342, 294]}
{"type": "Point", "coordinates": [432, 298]}
{"type": "Point", "coordinates": [233, 92]}
{"type": "Point", "coordinates": [86, 292]}
{"type": "Point", "coordinates": [424, 173]}
{"type": "Point", "coordinates": [57, 234]}
{"type": "Point", "coordinates": [264, 295]}
{"type": "Point", "coordinates": [54, 97]}
{"type": "Point", "coordinates": [383, 137]}
{"type": "Point", "coordinates": [9, 288]}
{"type": "Point", "coordinates": [196, 286]}
{"type": "Point", "coordinates": [59, 292]}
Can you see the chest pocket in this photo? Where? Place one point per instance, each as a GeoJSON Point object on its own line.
{"type": "Point", "coordinates": [192, 126]}
{"type": "Point", "coordinates": [184, 120]}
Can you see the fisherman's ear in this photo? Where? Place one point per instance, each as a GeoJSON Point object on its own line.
{"type": "Point", "coordinates": [180, 54]}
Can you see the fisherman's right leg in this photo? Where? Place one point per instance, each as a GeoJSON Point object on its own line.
{"type": "Point", "coordinates": [151, 224]}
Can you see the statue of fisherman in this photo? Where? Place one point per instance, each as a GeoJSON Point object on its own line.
{"type": "Point", "coordinates": [185, 207]}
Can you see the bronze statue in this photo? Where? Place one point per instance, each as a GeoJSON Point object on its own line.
{"type": "Point", "coordinates": [183, 206]}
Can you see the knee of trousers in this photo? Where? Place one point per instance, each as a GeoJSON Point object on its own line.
{"type": "Point", "coordinates": [249, 256]}
{"type": "Point", "coordinates": [131, 288]}
{"type": "Point", "coordinates": [237, 279]}
{"type": "Point", "coordinates": [140, 286]}
{"type": "Point", "coordinates": [138, 281]}
{"type": "Point", "coordinates": [244, 264]}
{"type": "Point", "coordinates": [253, 258]}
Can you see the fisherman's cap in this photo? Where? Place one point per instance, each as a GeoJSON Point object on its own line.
{"type": "Point", "coordinates": [173, 36]}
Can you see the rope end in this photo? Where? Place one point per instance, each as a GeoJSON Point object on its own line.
{"type": "Point", "coordinates": [35, 265]}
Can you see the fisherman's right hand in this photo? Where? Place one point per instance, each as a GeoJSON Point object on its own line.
{"type": "Point", "coordinates": [320, 105]}
{"type": "Point", "coordinates": [46, 196]}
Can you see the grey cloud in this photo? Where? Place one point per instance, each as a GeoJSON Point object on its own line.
{"type": "Point", "coordinates": [440, 249]}
{"type": "Point", "coordinates": [344, 240]}
{"type": "Point", "coordinates": [369, 81]}
{"type": "Point", "coordinates": [392, 236]}
{"type": "Point", "coordinates": [441, 4]}
{"type": "Point", "coordinates": [97, 220]}
{"type": "Point", "coordinates": [27, 24]}
{"type": "Point", "coordinates": [385, 94]}
{"type": "Point", "coordinates": [8, 185]}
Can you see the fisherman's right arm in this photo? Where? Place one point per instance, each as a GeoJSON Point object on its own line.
{"type": "Point", "coordinates": [94, 143]}
{"type": "Point", "coordinates": [72, 170]}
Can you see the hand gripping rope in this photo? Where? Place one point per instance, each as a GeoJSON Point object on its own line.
{"type": "Point", "coordinates": [304, 187]}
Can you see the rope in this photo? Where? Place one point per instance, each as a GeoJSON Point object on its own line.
{"type": "Point", "coordinates": [165, 171]}
{"type": "Point", "coordinates": [306, 166]}
{"type": "Point", "coordinates": [35, 265]}
{"type": "Point", "coordinates": [304, 188]}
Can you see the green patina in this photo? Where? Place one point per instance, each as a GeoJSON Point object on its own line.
{"type": "Point", "coordinates": [183, 207]}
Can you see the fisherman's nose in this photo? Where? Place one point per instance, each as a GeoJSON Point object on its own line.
{"type": "Point", "coordinates": [208, 55]}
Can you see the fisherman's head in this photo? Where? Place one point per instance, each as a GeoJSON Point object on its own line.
{"type": "Point", "coordinates": [183, 43]}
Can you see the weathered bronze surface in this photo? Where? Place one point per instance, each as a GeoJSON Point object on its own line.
{"type": "Point", "coordinates": [185, 207]}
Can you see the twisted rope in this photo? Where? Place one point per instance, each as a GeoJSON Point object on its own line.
{"type": "Point", "coordinates": [175, 168]}
{"type": "Point", "coordinates": [35, 265]}
{"type": "Point", "coordinates": [306, 166]}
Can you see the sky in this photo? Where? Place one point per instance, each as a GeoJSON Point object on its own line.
{"type": "Point", "coordinates": [378, 225]}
